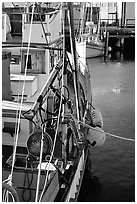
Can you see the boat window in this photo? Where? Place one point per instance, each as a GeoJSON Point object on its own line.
{"type": "Point", "coordinates": [36, 62]}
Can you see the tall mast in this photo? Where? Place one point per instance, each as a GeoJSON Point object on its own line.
{"type": "Point", "coordinates": [64, 84]}
{"type": "Point", "coordinates": [74, 58]}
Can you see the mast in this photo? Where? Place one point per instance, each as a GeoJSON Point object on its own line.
{"type": "Point", "coordinates": [74, 58]}
{"type": "Point", "coordinates": [98, 28]}
{"type": "Point", "coordinates": [82, 19]}
{"type": "Point", "coordinates": [64, 84]}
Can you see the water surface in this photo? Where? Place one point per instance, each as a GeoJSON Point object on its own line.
{"type": "Point", "coordinates": [113, 164]}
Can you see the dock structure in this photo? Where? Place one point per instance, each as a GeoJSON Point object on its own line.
{"type": "Point", "coordinates": [117, 19]}
{"type": "Point", "coordinates": [121, 39]}
{"type": "Point", "coordinates": [119, 32]}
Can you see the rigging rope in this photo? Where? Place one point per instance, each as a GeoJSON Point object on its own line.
{"type": "Point", "coordinates": [55, 138]}
{"type": "Point", "coordinates": [40, 162]}
{"type": "Point", "coordinates": [18, 97]}
{"type": "Point", "coordinates": [47, 27]}
{"type": "Point", "coordinates": [54, 143]}
{"type": "Point", "coordinates": [109, 134]}
{"type": "Point", "coordinates": [18, 125]}
{"type": "Point", "coordinates": [58, 8]}
{"type": "Point", "coordinates": [74, 60]}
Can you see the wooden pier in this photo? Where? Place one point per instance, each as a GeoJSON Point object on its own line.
{"type": "Point", "coordinates": [119, 32]}
{"type": "Point", "coordinates": [120, 39]}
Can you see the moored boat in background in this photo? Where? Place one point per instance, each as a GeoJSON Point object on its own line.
{"type": "Point", "coordinates": [89, 34]}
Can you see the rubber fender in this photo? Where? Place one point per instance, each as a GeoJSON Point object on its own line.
{"type": "Point", "coordinates": [96, 136]}
{"type": "Point", "coordinates": [96, 118]}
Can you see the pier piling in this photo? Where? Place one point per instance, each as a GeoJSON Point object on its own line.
{"type": "Point", "coordinates": [106, 46]}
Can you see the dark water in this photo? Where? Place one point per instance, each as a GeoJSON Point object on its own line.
{"type": "Point", "coordinates": [113, 164]}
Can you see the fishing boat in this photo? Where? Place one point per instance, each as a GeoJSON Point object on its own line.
{"type": "Point", "coordinates": [89, 36]}
{"type": "Point", "coordinates": [93, 46]}
{"type": "Point", "coordinates": [48, 119]}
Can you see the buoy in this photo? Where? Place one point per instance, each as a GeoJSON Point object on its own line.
{"type": "Point", "coordinates": [47, 166]}
{"type": "Point", "coordinates": [96, 136]}
{"type": "Point", "coordinates": [96, 118]}
{"type": "Point", "coordinates": [109, 49]}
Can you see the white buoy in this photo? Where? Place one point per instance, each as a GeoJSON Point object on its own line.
{"type": "Point", "coordinates": [47, 166]}
{"type": "Point", "coordinates": [96, 136]}
{"type": "Point", "coordinates": [109, 49]}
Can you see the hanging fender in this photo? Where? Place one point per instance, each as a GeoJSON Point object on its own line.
{"type": "Point", "coordinates": [96, 118]}
{"type": "Point", "coordinates": [96, 136]}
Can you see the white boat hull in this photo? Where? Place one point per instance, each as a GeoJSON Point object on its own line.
{"type": "Point", "coordinates": [89, 50]}
{"type": "Point", "coordinates": [93, 50]}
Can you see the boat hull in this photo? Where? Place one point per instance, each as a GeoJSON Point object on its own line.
{"type": "Point", "coordinates": [25, 180]}
{"type": "Point", "coordinates": [89, 50]}
{"type": "Point", "coordinates": [92, 50]}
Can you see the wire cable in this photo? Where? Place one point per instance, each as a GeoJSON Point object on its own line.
{"type": "Point", "coordinates": [54, 143]}
{"type": "Point", "coordinates": [109, 134]}
{"type": "Point", "coordinates": [18, 125]}
{"type": "Point", "coordinates": [55, 138]}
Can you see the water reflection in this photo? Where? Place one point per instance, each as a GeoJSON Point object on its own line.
{"type": "Point", "coordinates": [121, 55]}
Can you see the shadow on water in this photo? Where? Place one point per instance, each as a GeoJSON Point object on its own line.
{"type": "Point", "coordinates": [91, 185]}
{"type": "Point", "coordinates": [101, 186]}
{"type": "Point", "coordinates": [122, 55]}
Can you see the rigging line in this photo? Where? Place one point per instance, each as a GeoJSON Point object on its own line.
{"type": "Point", "coordinates": [50, 51]}
{"type": "Point", "coordinates": [17, 112]}
{"type": "Point", "coordinates": [78, 26]}
{"type": "Point", "coordinates": [119, 137]}
{"type": "Point", "coordinates": [59, 7]}
{"type": "Point", "coordinates": [54, 143]}
{"type": "Point", "coordinates": [83, 19]}
{"type": "Point", "coordinates": [90, 127]}
{"type": "Point", "coordinates": [43, 27]}
{"type": "Point", "coordinates": [54, 15]}
{"type": "Point", "coordinates": [55, 138]}
{"type": "Point", "coordinates": [17, 132]}
{"type": "Point", "coordinates": [85, 66]}
{"type": "Point", "coordinates": [40, 162]}
{"type": "Point", "coordinates": [74, 58]}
